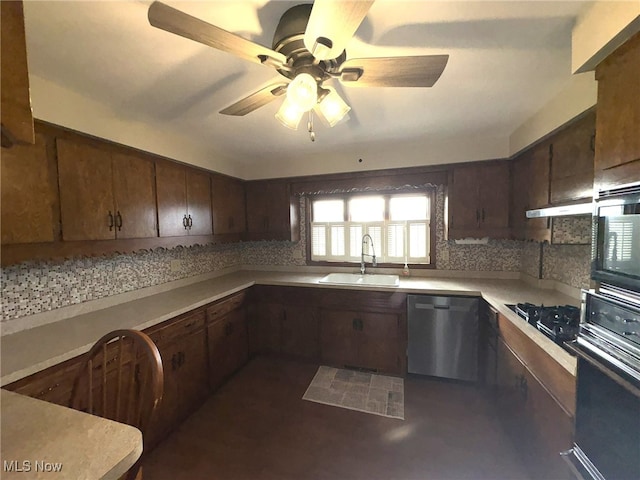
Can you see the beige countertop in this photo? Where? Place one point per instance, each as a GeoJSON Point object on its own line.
{"type": "Point", "coordinates": [32, 350]}
{"type": "Point", "coordinates": [43, 440]}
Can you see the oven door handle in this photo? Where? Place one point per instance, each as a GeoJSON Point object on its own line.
{"type": "Point", "coordinates": [580, 465]}
{"type": "Point", "coordinates": [608, 371]}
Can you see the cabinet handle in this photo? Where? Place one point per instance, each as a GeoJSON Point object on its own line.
{"type": "Point", "coordinates": [181, 357]}
{"type": "Point", "coordinates": [592, 142]}
{"type": "Point", "coordinates": [184, 222]}
{"type": "Point", "coordinates": [110, 221]}
{"type": "Point", "coordinates": [190, 222]}
{"type": "Point", "coordinates": [118, 220]}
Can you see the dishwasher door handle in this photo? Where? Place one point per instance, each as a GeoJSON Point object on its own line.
{"type": "Point", "coordinates": [429, 306]}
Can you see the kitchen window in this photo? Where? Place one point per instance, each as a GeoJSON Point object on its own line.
{"type": "Point", "coordinates": [399, 224]}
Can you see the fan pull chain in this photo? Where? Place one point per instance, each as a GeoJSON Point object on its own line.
{"type": "Point", "coordinates": [312, 134]}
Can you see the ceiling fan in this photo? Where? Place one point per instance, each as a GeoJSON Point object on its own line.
{"type": "Point", "coordinates": [308, 50]}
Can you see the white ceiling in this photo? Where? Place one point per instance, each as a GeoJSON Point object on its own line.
{"type": "Point", "coordinates": [507, 59]}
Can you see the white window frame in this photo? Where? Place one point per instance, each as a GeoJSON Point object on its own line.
{"type": "Point", "coordinates": [380, 242]}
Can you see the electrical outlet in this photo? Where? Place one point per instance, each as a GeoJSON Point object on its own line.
{"type": "Point", "coordinates": [175, 266]}
{"type": "Point", "coordinates": [444, 255]}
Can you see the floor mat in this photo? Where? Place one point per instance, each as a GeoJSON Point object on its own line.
{"type": "Point", "coordinates": [361, 391]}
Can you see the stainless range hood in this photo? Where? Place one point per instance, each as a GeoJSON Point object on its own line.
{"type": "Point", "coordinates": [562, 211]}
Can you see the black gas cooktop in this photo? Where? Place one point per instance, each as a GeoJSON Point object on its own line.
{"type": "Point", "coordinates": [560, 323]}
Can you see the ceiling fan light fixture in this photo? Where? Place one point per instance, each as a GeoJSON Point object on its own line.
{"type": "Point", "coordinates": [289, 114]}
{"type": "Point", "coordinates": [303, 92]}
{"type": "Point", "coordinates": [333, 108]}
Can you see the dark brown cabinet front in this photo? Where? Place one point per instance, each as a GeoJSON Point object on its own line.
{"type": "Point", "coordinates": [228, 205]}
{"type": "Point", "coordinates": [17, 118]}
{"type": "Point", "coordinates": [228, 346]}
{"type": "Point", "coordinates": [104, 196]}
{"type": "Point", "coordinates": [360, 339]}
{"type": "Point", "coordinates": [478, 203]}
{"type": "Point", "coordinates": [184, 200]}
{"type": "Point", "coordinates": [29, 194]}
{"type": "Point", "coordinates": [271, 211]}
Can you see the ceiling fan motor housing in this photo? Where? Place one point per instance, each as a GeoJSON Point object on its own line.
{"type": "Point", "coordinates": [288, 40]}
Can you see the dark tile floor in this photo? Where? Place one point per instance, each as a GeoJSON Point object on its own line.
{"type": "Point", "coordinates": [258, 427]}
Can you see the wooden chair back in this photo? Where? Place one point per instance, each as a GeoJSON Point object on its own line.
{"type": "Point", "coordinates": [121, 379]}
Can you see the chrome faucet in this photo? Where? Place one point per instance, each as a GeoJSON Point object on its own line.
{"type": "Point", "coordinates": [373, 257]}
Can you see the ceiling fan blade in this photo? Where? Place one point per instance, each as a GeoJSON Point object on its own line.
{"type": "Point", "coordinates": [418, 71]}
{"type": "Point", "coordinates": [171, 20]}
{"type": "Point", "coordinates": [255, 100]}
{"type": "Point", "coordinates": [335, 20]}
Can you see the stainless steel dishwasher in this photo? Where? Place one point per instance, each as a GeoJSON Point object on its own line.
{"type": "Point", "coordinates": [443, 336]}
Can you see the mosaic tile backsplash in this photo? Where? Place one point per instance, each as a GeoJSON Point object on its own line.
{"type": "Point", "coordinates": [568, 264]}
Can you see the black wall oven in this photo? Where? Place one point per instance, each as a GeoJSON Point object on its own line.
{"type": "Point", "coordinates": [607, 422]}
{"type": "Point", "coordinates": [616, 240]}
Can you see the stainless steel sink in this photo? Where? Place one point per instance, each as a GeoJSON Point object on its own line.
{"type": "Point", "coordinates": [368, 279]}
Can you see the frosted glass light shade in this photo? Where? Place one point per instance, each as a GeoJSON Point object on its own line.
{"type": "Point", "coordinates": [303, 92]}
{"type": "Point", "coordinates": [289, 114]}
{"type": "Point", "coordinates": [333, 108]}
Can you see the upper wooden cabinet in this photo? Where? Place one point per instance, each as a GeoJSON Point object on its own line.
{"type": "Point", "coordinates": [227, 205]}
{"type": "Point", "coordinates": [104, 196]}
{"type": "Point", "coordinates": [184, 200]}
{"type": "Point", "coordinates": [29, 194]}
{"type": "Point", "coordinates": [272, 212]}
{"type": "Point", "coordinates": [479, 200]}
{"type": "Point", "coordinates": [617, 156]}
{"type": "Point", "coordinates": [572, 161]}
{"type": "Point", "coordinates": [17, 118]}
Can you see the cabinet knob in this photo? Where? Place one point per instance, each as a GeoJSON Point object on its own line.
{"type": "Point", "coordinates": [190, 222]}
{"type": "Point", "coordinates": [185, 222]}
{"type": "Point", "coordinates": [111, 222]}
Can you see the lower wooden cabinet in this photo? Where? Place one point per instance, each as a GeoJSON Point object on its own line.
{"type": "Point", "coordinates": [183, 347]}
{"type": "Point", "coordinates": [538, 427]}
{"type": "Point", "coordinates": [360, 339]}
{"type": "Point", "coordinates": [228, 346]}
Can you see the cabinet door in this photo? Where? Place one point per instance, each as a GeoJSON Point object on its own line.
{"type": "Point", "coordinates": [172, 199]}
{"type": "Point", "coordinates": [29, 193]}
{"type": "Point", "coordinates": [17, 119]}
{"type": "Point", "coordinates": [257, 207]}
{"type": "Point", "coordinates": [228, 205]}
{"type": "Point", "coordinates": [618, 107]}
{"type": "Point", "coordinates": [265, 328]}
{"type": "Point", "coordinates": [539, 185]}
{"type": "Point", "coordinates": [134, 191]}
{"type": "Point", "coordinates": [572, 162]}
{"type": "Point", "coordinates": [300, 332]}
{"type": "Point", "coordinates": [378, 342]}
{"type": "Point", "coordinates": [493, 180]}
{"type": "Point", "coordinates": [510, 389]}
{"type": "Point", "coordinates": [463, 198]}
{"type": "Point", "coordinates": [168, 413]}
{"type": "Point", "coordinates": [86, 192]}
{"type": "Point", "coordinates": [193, 375]}
{"type": "Point", "coordinates": [338, 341]}
{"type": "Point", "coordinates": [199, 202]}
{"type": "Point", "coordinates": [228, 346]}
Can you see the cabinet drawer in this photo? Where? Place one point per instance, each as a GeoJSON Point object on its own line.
{"type": "Point", "coordinates": [221, 308]}
{"type": "Point", "coordinates": [177, 328]}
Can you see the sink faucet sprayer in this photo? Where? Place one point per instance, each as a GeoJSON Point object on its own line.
{"type": "Point", "coordinates": [373, 257]}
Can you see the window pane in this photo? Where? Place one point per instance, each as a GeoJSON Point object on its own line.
{"type": "Point", "coordinates": [328, 210]}
{"type": "Point", "coordinates": [366, 209]}
{"type": "Point", "coordinates": [318, 240]}
{"type": "Point", "coordinates": [418, 240]}
{"type": "Point", "coordinates": [409, 208]}
{"type": "Point", "coordinates": [395, 240]}
{"type": "Point", "coordinates": [376, 234]}
{"type": "Point", "coordinates": [355, 240]}
{"type": "Point", "coordinates": [337, 240]}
